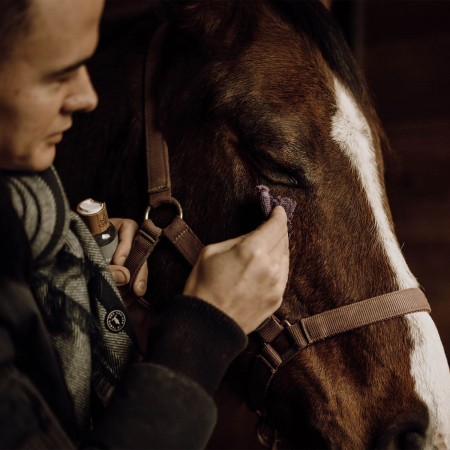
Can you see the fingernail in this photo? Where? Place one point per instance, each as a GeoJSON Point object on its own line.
{"type": "Point", "coordinates": [119, 277]}
{"type": "Point", "coordinates": [141, 287]}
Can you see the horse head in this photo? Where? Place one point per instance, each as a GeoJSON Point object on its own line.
{"type": "Point", "coordinates": [249, 93]}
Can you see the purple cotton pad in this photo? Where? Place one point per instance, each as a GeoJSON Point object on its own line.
{"type": "Point", "coordinates": [268, 202]}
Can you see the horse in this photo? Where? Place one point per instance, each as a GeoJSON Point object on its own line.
{"type": "Point", "coordinates": [267, 92]}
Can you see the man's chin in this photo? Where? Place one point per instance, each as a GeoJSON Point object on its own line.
{"type": "Point", "coordinates": [36, 159]}
{"type": "Point", "coordinates": [45, 159]}
{"type": "Point", "coordinates": [42, 159]}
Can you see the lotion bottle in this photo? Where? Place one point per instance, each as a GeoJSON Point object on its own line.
{"type": "Point", "coordinates": [96, 218]}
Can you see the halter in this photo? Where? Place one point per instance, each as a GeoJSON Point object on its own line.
{"type": "Point", "coordinates": [274, 331]}
{"type": "Point", "coordinates": [159, 183]}
{"type": "Point", "coordinates": [319, 327]}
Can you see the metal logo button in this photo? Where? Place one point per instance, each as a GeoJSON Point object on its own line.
{"type": "Point", "coordinates": [115, 321]}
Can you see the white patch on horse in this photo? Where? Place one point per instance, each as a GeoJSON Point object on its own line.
{"type": "Point", "coordinates": [429, 366]}
{"type": "Point", "coordinates": [431, 374]}
{"type": "Point", "coordinates": [351, 131]}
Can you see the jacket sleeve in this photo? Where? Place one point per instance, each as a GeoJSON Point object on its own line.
{"type": "Point", "coordinates": [156, 408]}
{"type": "Point", "coordinates": [166, 403]}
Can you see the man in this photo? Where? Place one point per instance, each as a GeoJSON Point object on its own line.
{"type": "Point", "coordinates": [69, 370]}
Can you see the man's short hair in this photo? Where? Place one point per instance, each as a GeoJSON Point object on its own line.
{"type": "Point", "coordinates": [14, 21]}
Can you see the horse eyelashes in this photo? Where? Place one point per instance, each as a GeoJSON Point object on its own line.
{"type": "Point", "coordinates": [277, 172]}
{"type": "Point", "coordinates": [281, 177]}
{"type": "Point", "coordinates": [278, 175]}
{"type": "Point", "coordinates": [294, 180]}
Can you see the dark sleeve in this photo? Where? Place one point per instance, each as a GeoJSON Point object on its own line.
{"type": "Point", "coordinates": [194, 338]}
{"type": "Point", "coordinates": [156, 408]}
{"type": "Point", "coordinates": [167, 401]}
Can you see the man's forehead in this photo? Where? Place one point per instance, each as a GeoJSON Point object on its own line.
{"type": "Point", "coordinates": [61, 34]}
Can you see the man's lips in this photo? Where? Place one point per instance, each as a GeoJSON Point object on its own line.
{"type": "Point", "coordinates": [57, 136]}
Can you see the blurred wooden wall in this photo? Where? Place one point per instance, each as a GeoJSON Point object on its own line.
{"type": "Point", "coordinates": [404, 49]}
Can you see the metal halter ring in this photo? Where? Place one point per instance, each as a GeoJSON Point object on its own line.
{"type": "Point", "coordinates": [173, 201]}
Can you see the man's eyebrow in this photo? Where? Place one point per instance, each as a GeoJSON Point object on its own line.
{"type": "Point", "coordinates": [68, 69]}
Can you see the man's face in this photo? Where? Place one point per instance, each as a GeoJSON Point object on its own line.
{"type": "Point", "coordinates": [43, 81]}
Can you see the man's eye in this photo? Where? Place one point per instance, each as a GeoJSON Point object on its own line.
{"type": "Point", "coordinates": [66, 77]}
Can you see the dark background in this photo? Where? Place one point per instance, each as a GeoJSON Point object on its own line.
{"type": "Point", "coordinates": [404, 50]}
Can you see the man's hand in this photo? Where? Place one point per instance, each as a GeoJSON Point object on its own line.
{"type": "Point", "coordinates": [245, 277]}
{"type": "Point", "coordinates": [126, 230]}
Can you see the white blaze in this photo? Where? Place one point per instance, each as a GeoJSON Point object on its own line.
{"type": "Point", "coordinates": [430, 369]}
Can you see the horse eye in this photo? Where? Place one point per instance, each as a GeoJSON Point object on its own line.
{"type": "Point", "coordinates": [279, 177]}
{"type": "Point", "coordinates": [275, 172]}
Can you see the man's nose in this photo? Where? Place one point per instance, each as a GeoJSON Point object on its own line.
{"type": "Point", "coordinates": [82, 95]}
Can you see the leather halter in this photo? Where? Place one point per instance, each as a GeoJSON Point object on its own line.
{"type": "Point", "coordinates": [302, 334]}
{"type": "Point", "coordinates": [159, 183]}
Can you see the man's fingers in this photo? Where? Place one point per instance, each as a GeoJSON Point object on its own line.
{"type": "Point", "coordinates": [140, 284]}
{"type": "Point", "coordinates": [221, 247]}
{"type": "Point", "coordinates": [268, 235]}
{"type": "Point", "coordinates": [120, 274]}
{"type": "Point", "coordinates": [126, 230]}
